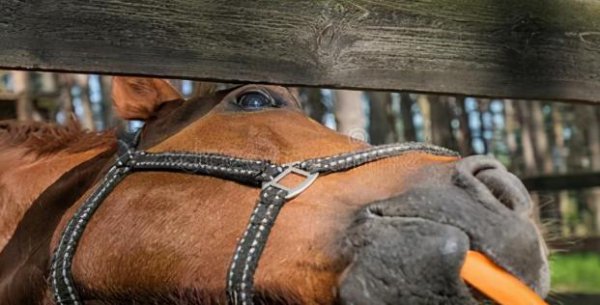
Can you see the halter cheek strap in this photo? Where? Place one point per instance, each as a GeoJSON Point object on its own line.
{"type": "Point", "coordinates": [273, 196]}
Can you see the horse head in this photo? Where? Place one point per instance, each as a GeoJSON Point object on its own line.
{"type": "Point", "coordinates": [394, 230]}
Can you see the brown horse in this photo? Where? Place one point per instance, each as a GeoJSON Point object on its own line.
{"type": "Point", "coordinates": [391, 231]}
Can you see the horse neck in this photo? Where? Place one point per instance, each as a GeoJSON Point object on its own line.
{"type": "Point", "coordinates": [24, 176]}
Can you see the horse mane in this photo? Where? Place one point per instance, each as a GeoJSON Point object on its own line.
{"type": "Point", "coordinates": [42, 138]}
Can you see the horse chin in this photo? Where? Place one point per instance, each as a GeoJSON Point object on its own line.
{"type": "Point", "coordinates": [405, 260]}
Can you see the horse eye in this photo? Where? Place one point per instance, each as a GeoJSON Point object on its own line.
{"type": "Point", "coordinates": [254, 100]}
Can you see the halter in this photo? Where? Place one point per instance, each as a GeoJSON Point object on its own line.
{"type": "Point", "coordinates": [257, 173]}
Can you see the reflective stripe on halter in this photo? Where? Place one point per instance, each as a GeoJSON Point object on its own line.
{"type": "Point", "coordinates": [240, 277]}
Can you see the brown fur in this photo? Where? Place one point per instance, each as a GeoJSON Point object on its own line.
{"type": "Point", "coordinates": [41, 138]}
{"type": "Point", "coordinates": [32, 156]}
{"type": "Point", "coordinates": [24, 260]}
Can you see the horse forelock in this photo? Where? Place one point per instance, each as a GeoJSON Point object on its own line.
{"type": "Point", "coordinates": [40, 139]}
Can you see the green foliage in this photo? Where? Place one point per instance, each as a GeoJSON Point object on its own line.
{"type": "Point", "coordinates": [575, 272]}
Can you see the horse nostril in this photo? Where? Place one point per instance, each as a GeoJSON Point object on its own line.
{"type": "Point", "coordinates": [486, 177]}
{"type": "Point", "coordinates": [507, 188]}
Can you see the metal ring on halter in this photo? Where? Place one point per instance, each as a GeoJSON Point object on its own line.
{"type": "Point", "coordinates": [309, 179]}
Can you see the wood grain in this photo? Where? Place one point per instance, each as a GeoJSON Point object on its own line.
{"type": "Point", "coordinates": [557, 182]}
{"type": "Point", "coordinates": [542, 49]}
{"type": "Point", "coordinates": [576, 244]}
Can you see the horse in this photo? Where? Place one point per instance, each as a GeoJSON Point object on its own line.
{"type": "Point", "coordinates": [393, 230]}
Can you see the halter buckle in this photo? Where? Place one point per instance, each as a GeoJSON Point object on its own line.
{"type": "Point", "coordinates": [292, 192]}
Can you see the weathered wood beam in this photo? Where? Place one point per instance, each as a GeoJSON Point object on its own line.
{"type": "Point", "coordinates": [576, 244]}
{"type": "Point", "coordinates": [573, 298]}
{"type": "Point", "coordinates": [535, 49]}
{"type": "Point", "coordinates": [560, 182]}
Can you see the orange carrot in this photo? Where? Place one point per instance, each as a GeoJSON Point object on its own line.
{"type": "Point", "coordinates": [495, 283]}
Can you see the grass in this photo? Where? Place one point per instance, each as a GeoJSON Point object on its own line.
{"type": "Point", "coordinates": [578, 272]}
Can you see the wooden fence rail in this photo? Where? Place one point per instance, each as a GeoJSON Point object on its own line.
{"type": "Point", "coordinates": [581, 244]}
{"type": "Point", "coordinates": [558, 182]}
{"type": "Point", "coordinates": [546, 49]}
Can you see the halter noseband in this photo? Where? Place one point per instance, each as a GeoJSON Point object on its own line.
{"type": "Point", "coordinates": [240, 277]}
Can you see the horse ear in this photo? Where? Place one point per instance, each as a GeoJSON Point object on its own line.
{"type": "Point", "coordinates": [136, 98]}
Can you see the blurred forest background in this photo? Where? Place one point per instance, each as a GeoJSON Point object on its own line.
{"type": "Point", "coordinates": [536, 140]}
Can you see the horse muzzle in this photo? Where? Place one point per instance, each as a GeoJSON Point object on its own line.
{"type": "Point", "coordinates": [410, 249]}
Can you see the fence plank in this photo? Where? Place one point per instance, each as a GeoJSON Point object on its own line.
{"type": "Point", "coordinates": [557, 182]}
{"type": "Point", "coordinates": [546, 49]}
{"type": "Point", "coordinates": [576, 244]}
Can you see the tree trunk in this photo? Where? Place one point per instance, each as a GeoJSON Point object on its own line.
{"type": "Point", "coordinates": [526, 139]}
{"type": "Point", "coordinates": [406, 103]}
{"type": "Point", "coordinates": [312, 102]}
{"type": "Point", "coordinates": [47, 83]}
{"type": "Point", "coordinates": [425, 107]}
{"type": "Point", "coordinates": [441, 117]}
{"type": "Point", "coordinates": [23, 90]}
{"type": "Point", "coordinates": [510, 128]}
{"type": "Point", "coordinates": [87, 120]}
{"type": "Point", "coordinates": [541, 147]}
{"type": "Point", "coordinates": [465, 140]}
{"type": "Point", "coordinates": [543, 159]}
{"type": "Point", "coordinates": [204, 89]}
{"type": "Point", "coordinates": [48, 92]}
{"type": "Point", "coordinates": [540, 213]}
{"type": "Point", "coordinates": [382, 123]}
{"type": "Point", "coordinates": [564, 203]}
{"type": "Point", "coordinates": [593, 139]}
{"type": "Point", "coordinates": [349, 114]}
{"type": "Point", "coordinates": [108, 118]}
{"type": "Point", "coordinates": [484, 105]}
{"type": "Point", "coordinates": [178, 84]}
{"type": "Point", "coordinates": [66, 82]}
{"type": "Point", "coordinates": [559, 139]}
